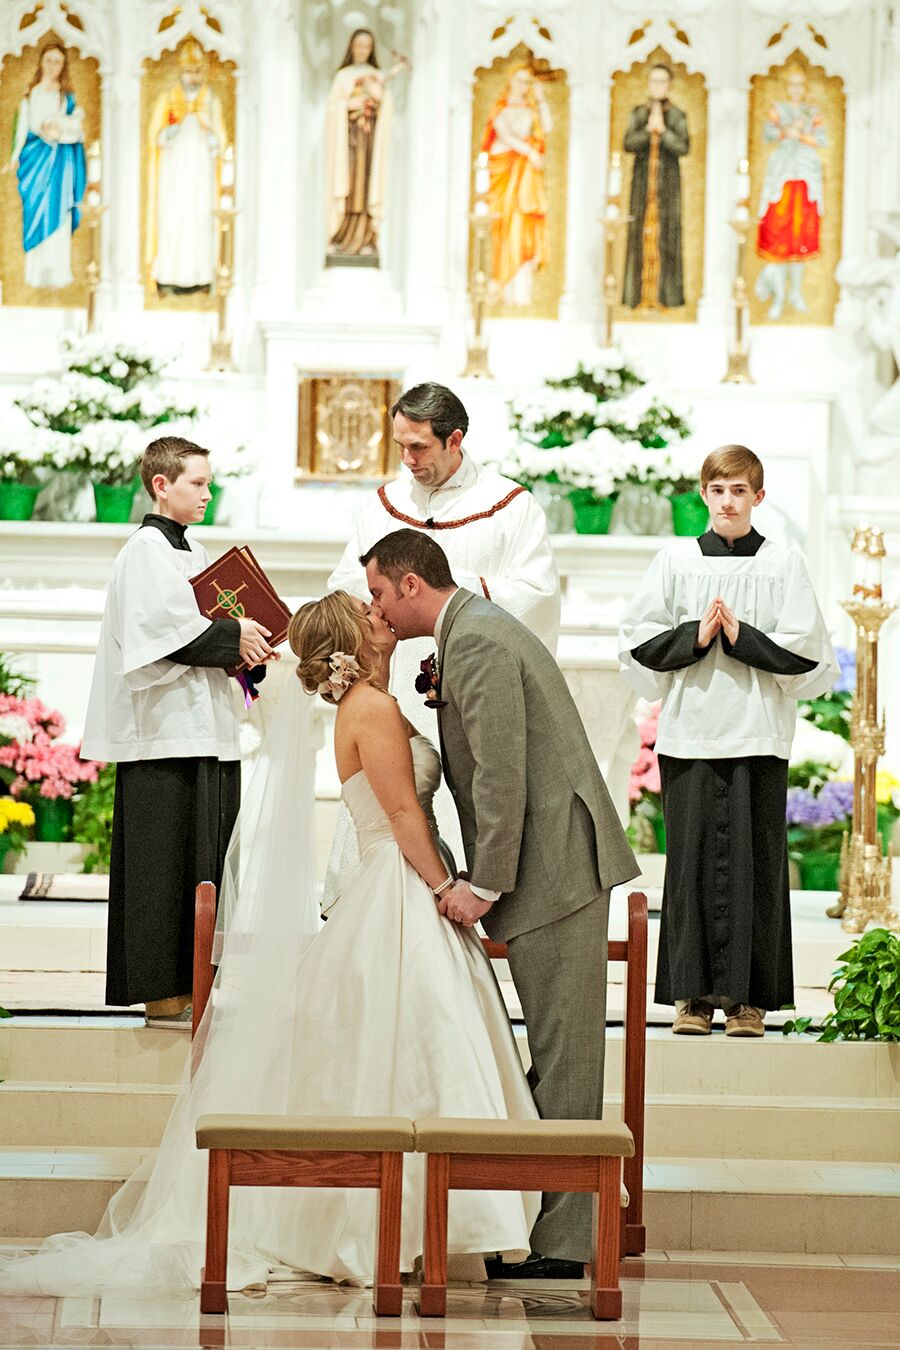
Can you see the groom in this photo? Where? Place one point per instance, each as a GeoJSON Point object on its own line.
{"type": "Point", "coordinates": [542, 839]}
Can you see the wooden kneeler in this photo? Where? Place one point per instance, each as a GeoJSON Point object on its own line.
{"type": "Point", "coordinates": [354, 1151]}
{"type": "Point", "coordinates": [524, 1155]}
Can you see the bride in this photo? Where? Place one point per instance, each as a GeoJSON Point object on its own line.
{"type": "Point", "coordinates": [386, 1009]}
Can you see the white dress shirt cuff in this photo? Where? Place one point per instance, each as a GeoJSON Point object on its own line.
{"type": "Point", "coordinates": [483, 893]}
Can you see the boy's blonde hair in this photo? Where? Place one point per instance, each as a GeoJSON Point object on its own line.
{"type": "Point", "coordinates": [732, 461]}
{"type": "Point", "coordinates": [166, 455]}
{"type": "Point", "coordinates": [322, 627]}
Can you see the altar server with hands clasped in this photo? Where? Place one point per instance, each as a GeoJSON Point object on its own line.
{"type": "Point", "coordinates": [726, 631]}
{"type": "Point", "coordinates": [164, 710]}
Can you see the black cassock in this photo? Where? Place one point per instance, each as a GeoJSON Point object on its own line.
{"type": "Point", "coordinates": [172, 821]}
{"type": "Point", "coordinates": [725, 931]}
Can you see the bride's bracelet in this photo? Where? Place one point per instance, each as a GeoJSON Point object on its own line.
{"type": "Point", "coordinates": [445, 885]}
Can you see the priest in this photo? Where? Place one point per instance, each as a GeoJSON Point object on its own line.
{"type": "Point", "coordinates": [492, 530]}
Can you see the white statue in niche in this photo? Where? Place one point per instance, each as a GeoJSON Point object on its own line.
{"type": "Point", "coordinates": [358, 125]}
{"type": "Point", "coordinates": [186, 137]}
{"type": "Point", "coordinates": [875, 283]}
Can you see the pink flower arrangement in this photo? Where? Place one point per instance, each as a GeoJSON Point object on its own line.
{"type": "Point", "coordinates": [46, 724]}
{"type": "Point", "coordinates": [42, 766]}
{"type": "Point", "coordinates": [643, 781]}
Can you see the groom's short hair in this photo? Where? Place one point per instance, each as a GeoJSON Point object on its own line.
{"type": "Point", "coordinates": [405, 551]}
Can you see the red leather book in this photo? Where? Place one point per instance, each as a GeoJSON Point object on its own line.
{"type": "Point", "coordinates": [236, 587]}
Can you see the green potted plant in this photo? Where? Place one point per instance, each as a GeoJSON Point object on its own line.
{"type": "Point", "coordinates": [19, 481]}
{"type": "Point", "coordinates": [108, 401]}
{"type": "Point", "coordinates": [16, 822]}
{"type": "Point", "coordinates": [597, 433]}
{"type": "Point", "coordinates": [866, 990]}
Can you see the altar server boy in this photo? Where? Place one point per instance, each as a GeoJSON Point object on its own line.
{"type": "Point", "coordinates": [162, 707]}
{"type": "Point", "coordinates": [726, 631]}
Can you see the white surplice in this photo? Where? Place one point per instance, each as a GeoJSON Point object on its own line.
{"type": "Point", "coordinates": [142, 705]}
{"type": "Point", "coordinates": [721, 707]}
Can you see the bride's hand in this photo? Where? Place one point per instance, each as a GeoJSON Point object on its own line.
{"type": "Point", "coordinates": [461, 905]}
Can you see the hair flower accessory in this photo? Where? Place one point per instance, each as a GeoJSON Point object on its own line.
{"type": "Point", "coordinates": [344, 672]}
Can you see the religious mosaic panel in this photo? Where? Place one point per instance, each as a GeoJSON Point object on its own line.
{"type": "Point", "coordinates": [344, 427]}
{"type": "Point", "coordinates": [49, 117]}
{"type": "Point", "coordinates": [188, 171]}
{"type": "Point", "coordinates": [520, 138]}
{"type": "Point", "coordinates": [796, 154]}
{"type": "Point", "coordinates": [658, 128]}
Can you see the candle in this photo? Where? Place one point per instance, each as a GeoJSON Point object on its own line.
{"type": "Point", "coordinates": [226, 177]}
{"type": "Point", "coordinates": [482, 180]}
{"type": "Point", "coordinates": [93, 197]}
{"type": "Point", "coordinates": [743, 180]}
{"type": "Point", "coordinates": [481, 208]}
{"type": "Point", "coordinates": [481, 160]}
{"type": "Point", "coordinates": [226, 201]}
{"type": "Point", "coordinates": [612, 211]}
{"type": "Point", "coordinates": [94, 163]}
{"type": "Point", "coordinates": [614, 177]}
{"type": "Point", "coordinates": [742, 212]}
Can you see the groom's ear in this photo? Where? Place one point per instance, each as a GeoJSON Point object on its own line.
{"type": "Point", "coordinates": [410, 585]}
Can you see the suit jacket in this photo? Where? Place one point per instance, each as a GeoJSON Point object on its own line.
{"type": "Point", "coordinates": [537, 821]}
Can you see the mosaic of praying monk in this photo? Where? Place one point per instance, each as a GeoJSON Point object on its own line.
{"type": "Point", "coordinates": [657, 136]}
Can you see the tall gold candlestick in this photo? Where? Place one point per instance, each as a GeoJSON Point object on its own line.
{"type": "Point", "coordinates": [612, 223]}
{"type": "Point", "coordinates": [738, 369]}
{"type": "Point", "coordinates": [865, 878]}
{"type": "Point", "coordinates": [482, 225]}
{"type": "Point", "coordinates": [220, 353]}
{"type": "Point", "coordinates": [92, 216]}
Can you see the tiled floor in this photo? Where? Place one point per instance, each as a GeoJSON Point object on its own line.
{"type": "Point", "coordinates": [672, 1300]}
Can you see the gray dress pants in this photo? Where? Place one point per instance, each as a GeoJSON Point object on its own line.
{"type": "Point", "coordinates": [559, 972]}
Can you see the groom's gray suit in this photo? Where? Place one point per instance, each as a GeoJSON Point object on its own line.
{"type": "Point", "coordinates": [538, 825]}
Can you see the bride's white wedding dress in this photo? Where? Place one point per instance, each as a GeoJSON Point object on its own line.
{"type": "Point", "coordinates": [393, 1011]}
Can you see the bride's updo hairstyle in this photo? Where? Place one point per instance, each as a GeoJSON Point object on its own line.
{"type": "Point", "coordinates": [322, 627]}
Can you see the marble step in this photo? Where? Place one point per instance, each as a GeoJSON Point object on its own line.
{"type": "Point", "coordinates": [134, 1115]}
{"type": "Point", "coordinates": [122, 1050]}
{"type": "Point", "coordinates": [71, 936]}
{"type": "Point", "coordinates": [730, 1204]}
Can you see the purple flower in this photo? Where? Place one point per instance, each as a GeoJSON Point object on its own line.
{"type": "Point", "coordinates": [802, 808]}
{"type": "Point", "coordinates": [846, 659]}
{"type": "Point", "coordinates": [837, 799]}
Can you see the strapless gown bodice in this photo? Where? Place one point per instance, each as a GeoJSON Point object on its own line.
{"type": "Point", "coordinates": [372, 825]}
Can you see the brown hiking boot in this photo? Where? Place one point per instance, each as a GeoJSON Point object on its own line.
{"type": "Point", "coordinates": [745, 1021]}
{"type": "Point", "coordinates": [695, 1018]}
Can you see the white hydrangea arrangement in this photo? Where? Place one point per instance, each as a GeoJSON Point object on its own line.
{"type": "Point", "coordinates": [598, 429]}
{"type": "Point", "coordinates": [108, 404]}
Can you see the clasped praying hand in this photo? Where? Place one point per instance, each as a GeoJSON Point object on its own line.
{"type": "Point", "coordinates": [718, 616]}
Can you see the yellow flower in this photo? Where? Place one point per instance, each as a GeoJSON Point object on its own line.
{"type": "Point", "coordinates": [885, 783]}
{"type": "Point", "coordinates": [14, 813]}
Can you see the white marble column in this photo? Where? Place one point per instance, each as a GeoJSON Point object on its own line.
{"type": "Point", "coordinates": [276, 138]}
{"type": "Point", "coordinates": [122, 144]}
{"type": "Point", "coordinates": [726, 144]}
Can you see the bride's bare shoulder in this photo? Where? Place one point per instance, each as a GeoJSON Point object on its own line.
{"type": "Point", "coordinates": [368, 701]}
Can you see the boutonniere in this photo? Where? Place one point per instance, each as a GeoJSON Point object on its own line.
{"type": "Point", "coordinates": [428, 682]}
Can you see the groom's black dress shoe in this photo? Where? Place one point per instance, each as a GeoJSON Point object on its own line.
{"type": "Point", "coordinates": [534, 1267]}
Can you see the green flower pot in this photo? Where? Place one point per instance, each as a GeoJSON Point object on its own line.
{"type": "Point", "coordinates": [819, 871]}
{"type": "Point", "coordinates": [17, 500]}
{"type": "Point", "coordinates": [5, 846]}
{"type": "Point", "coordinates": [592, 514]}
{"type": "Point", "coordinates": [52, 819]}
{"type": "Point", "coordinates": [212, 505]}
{"type": "Point", "coordinates": [113, 503]}
{"type": "Point", "coordinates": [689, 513]}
